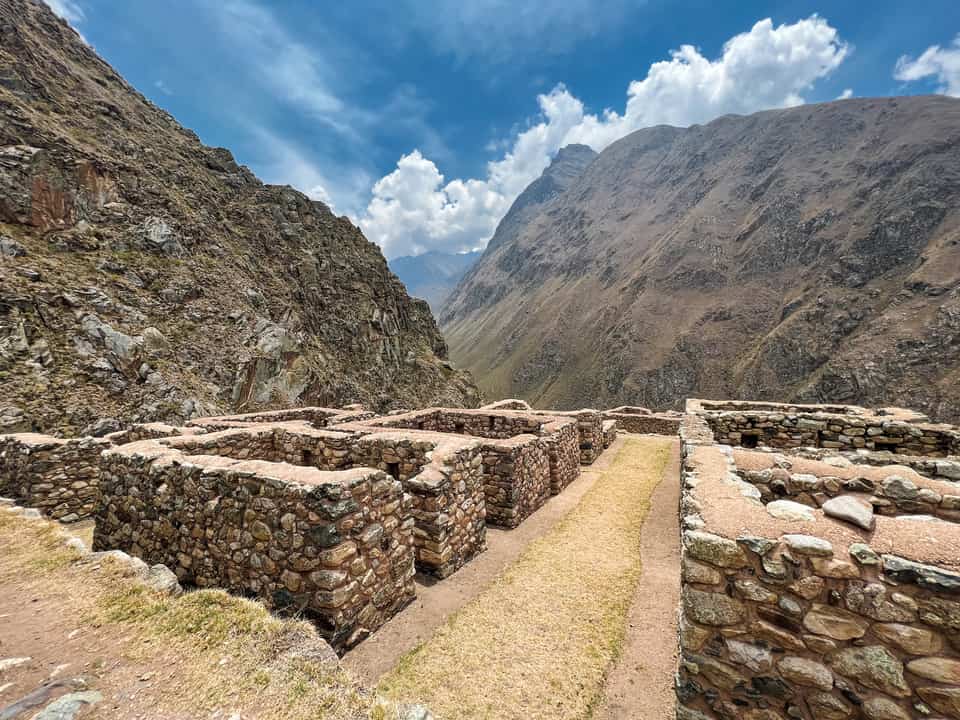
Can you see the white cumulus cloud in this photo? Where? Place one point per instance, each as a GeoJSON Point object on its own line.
{"type": "Point", "coordinates": [935, 62]}
{"type": "Point", "coordinates": [415, 209]}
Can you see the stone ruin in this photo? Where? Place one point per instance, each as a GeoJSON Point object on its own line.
{"type": "Point", "coordinates": [820, 564]}
{"type": "Point", "coordinates": [643, 421]}
{"type": "Point", "coordinates": [820, 569]}
{"type": "Point", "coordinates": [322, 512]}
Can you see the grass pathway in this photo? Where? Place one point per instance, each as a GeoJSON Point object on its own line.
{"type": "Point", "coordinates": [539, 641]}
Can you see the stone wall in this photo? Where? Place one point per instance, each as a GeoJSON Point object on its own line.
{"type": "Point", "coordinates": [516, 478]}
{"type": "Point", "coordinates": [789, 612]}
{"type": "Point", "coordinates": [885, 490]}
{"type": "Point", "coordinates": [61, 478]}
{"type": "Point", "coordinates": [507, 404]}
{"type": "Point", "coordinates": [562, 434]}
{"type": "Point", "coordinates": [589, 430]}
{"type": "Point", "coordinates": [316, 416]}
{"type": "Point", "coordinates": [643, 421]}
{"type": "Point", "coordinates": [610, 428]}
{"type": "Point", "coordinates": [334, 546]}
{"type": "Point", "coordinates": [442, 475]}
{"type": "Point", "coordinates": [827, 426]}
{"type": "Point", "coordinates": [931, 467]}
{"type": "Point", "coordinates": [563, 449]}
{"type": "Point", "coordinates": [501, 424]}
{"type": "Point", "coordinates": [445, 485]}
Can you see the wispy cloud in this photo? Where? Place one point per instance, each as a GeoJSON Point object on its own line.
{"type": "Point", "coordinates": [501, 31]}
{"type": "Point", "coordinates": [941, 64]}
{"type": "Point", "coordinates": [69, 10]}
{"type": "Point", "coordinates": [282, 161]}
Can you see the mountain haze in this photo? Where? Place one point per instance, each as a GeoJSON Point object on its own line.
{"type": "Point", "coordinates": [144, 276]}
{"type": "Point", "coordinates": [432, 275]}
{"type": "Point", "coordinates": [811, 253]}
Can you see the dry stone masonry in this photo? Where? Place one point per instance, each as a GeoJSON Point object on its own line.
{"type": "Point", "coordinates": [840, 427]}
{"type": "Point", "coordinates": [322, 512]}
{"type": "Point", "coordinates": [815, 587]}
{"type": "Point", "coordinates": [336, 546]}
{"type": "Point", "coordinates": [643, 421]}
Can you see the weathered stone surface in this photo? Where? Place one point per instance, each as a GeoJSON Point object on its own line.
{"type": "Point", "coordinates": [695, 572]}
{"type": "Point", "coordinates": [809, 545]}
{"type": "Point", "coordinates": [851, 510]}
{"type": "Point", "coordinates": [808, 588]}
{"type": "Point", "coordinates": [69, 706]}
{"type": "Point", "coordinates": [903, 570]}
{"type": "Point", "coordinates": [718, 673]}
{"type": "Point", "coordinates": [711, 608]}
{"type": "Point", "coordinates": [825, 706]}
{"type": "Point", "coordinates": [881, 708]}
{"type": "Point", "coordinates": [714, 549]}
{"type": "Point", "coordinates": [832, 568]}
{"type": "Point", "coordinates": [754, 657]}
{"type": "Point", "coordinates": [938, 669]}
{"type": "Point", "coordinates": [790, 511]}
{"type": "Point", "coordinates": [808, 673]}
{"type": "Point", "coordinates": [873, 666]}
{"type": "Point", "coordinates": [752, 590]}
{"type": "Point", "coordinates": [864, 554]}
{"type": "Point", "coordinates": [944, 699]}
{"type": "Point", "coordinates": [758, 545]}
{"type": "Point", "coordinates": [910, 639]}
{"type": "Point", "coordinates": [777, 636]}
{"type": "Point", "coordinates": [899, 489]}
{"type": "Point", "coordinates": [871, 600]}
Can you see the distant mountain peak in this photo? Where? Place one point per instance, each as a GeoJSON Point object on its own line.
{"type": "Point", "coordinates": [567, 165]}
{"type": "Point", "coordinates": [806, 254]}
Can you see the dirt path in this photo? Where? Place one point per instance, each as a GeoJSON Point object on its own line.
{"type": "Point", "coordinates": [539, 640]}
{"type": "Point", "coordinates": [438, 600]}
{"type": "Point", "coordinates": [640, 686]}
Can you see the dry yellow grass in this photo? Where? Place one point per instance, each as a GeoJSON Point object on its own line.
{"type": "Point", "coordinates": [184, 639]}
{"type": "Point", "coordinates": [539, 641]}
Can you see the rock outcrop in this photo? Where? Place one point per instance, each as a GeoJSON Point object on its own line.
{"type": "Point", "coordinates": [144, 276]}
{"type": "Point", "coordinates": [808, 254]}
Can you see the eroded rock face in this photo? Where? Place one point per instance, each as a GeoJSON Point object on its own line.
{"type": "Point", "coordinates": [144, 276]}
{"type": "Point", "coordinates": [710, 261]}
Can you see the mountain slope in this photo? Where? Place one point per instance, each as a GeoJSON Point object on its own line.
{"type": "Point", "coordinates": [432, 275]}
{"type": "Point", "coordinates": [811, 253]}
{"type": "Point", "coordinates": [569, 164]}
{"type": "Point", "coordinates": [144, 276]}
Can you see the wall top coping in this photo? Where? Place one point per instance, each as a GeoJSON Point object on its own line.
{"type": "Point", "coordinates": [159, 454]}
{"type": "Point", "coordinates": [880, 415]}
{"type": "Point", "coordinates": [728, 513]}
{"type": "Point", "coordinates": [759, 460]}
{"type": "Point", "coordinates": [39, 441]}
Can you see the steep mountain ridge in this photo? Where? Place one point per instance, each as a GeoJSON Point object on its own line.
{"type": "Point", "coordinates": [567, 165]}
{"type": "Point", "coordinates": [432, 275]}
{"type": "Point", "coordinates": [144, 276]}
{"type": "Point", "coordinates": [810, 254]}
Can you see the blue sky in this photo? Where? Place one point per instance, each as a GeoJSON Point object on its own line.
{"type": "Point", "coordinates": [422, 121]}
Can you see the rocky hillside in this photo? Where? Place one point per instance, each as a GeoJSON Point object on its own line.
{"type": "Point", "coordinates": [432, 275]}
{"type": "Point", "coordinates": [809, 254]}
{"type": "Point", "coordinates": [145, 276]}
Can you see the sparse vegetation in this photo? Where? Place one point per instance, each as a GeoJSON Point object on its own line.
{"type": "Point", "coordinates": [230, 652]}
